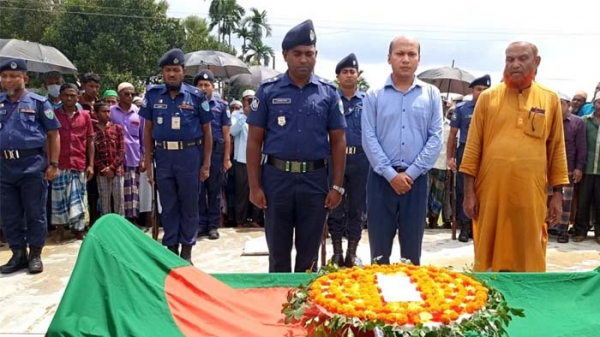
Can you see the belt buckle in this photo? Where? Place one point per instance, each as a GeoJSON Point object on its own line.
{"type": "Point", "coordinates": [351, 150]}
{"type": "Point", "coordinates": [11, 154]}
{"type": "Point", "coordinates": [172, 145]}
{"type": "Point", "coordinates": [295, 167]}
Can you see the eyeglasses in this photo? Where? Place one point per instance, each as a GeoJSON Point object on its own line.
{"type": "Point", "coordinates": [129, 94]}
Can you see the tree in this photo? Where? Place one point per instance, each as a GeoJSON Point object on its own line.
{"type": "Point", "coordinates": [362, 83]}
{"type": "Point", "coordinates": [243, 32]}
{"type": "Point", "coordinates": [197, 36]}
{"type": "Point", "coordinates": [225, 15]}
{"type": "Point", "coordinates": [118, 39]}
{"type": "Point", "coordinates": [258, 51]}
{"type": "Point", "coordinates": [258, 24]}
{"type": "Point", "coordinates": [26, 19]}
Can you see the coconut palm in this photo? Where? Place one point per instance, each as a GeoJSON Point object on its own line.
{"type": "Point", "coordinates": [258, 23]}
{"type": "Point", "coordinates": [225, 15]}
{"type": "Point", "coordinates": [259, 53]}
{"type": "Point", "coordinates": [243, 32]}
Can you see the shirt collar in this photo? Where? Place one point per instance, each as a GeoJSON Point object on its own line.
{"type": "Point", "coordinates": [131, 108]}
{"type": "Point", "coordinates": [416, 83]}
{"type": "Point", "coordinates": [286, 80]}
{"type": "Point", "coordinates": [165, 91]}
{"type": "Point", "coordinates": [357, 94]}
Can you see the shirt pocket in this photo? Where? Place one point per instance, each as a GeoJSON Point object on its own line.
{"type": "Point", "coordinates": [316, 114]}
{"type": "Point", "coordinates": [281, 117]}
{"type": "Point", "coordinates": [28, 121]}
{"type": "Point", "coordinates": [418, 118]}
{"type": "Point", "coordinates": [133, 128]}
{"type": "Point", "coordinates": [536, 125]}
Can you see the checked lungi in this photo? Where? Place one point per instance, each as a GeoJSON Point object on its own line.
{"type": "Point", "coordinates": [69, 205]}
{"type": "Point", "coordinates": [438, 198]}
{"type": "Point", "coordinates": [111, 188]}
{"type": "Point", "coordinates": [131, 185]}
{"type": "Point", "coordinates": [567, 202]}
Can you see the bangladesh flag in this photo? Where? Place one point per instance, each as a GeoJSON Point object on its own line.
{"type": "Point", "coordinates": [126, 284]}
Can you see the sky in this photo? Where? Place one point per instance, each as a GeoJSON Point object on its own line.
{"type": "Point", "coordinates": [472, 34]}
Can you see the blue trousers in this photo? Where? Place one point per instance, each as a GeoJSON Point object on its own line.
{"type": "Point", "coordinates": [389, 214]}
{"type": "Point", "coordinates": [295, 214]}
{"type": "Point", "coordinates": [347, 217]}
{"type": "Point", "coordinates": [460, 186]}
{"type": "Point", "coordinates": [23, 193]}
{"type": "Point", "coordinates": [210, 195]}
{"type": "Point", "coordinates": [177, 178]}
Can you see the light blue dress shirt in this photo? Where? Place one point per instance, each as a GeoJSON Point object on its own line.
{"type": "Point", "coordinates": [239, 131]}
{"type": "Point", "coordinates": [402, 129]}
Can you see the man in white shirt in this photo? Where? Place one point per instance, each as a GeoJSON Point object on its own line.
{"type": "Point", "coordinates": [239, 131]}
{"type": "Point", "coordinates": [438, 200]}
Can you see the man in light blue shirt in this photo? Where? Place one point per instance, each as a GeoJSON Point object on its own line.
{"type": "Point", "coordinates": [402, 137]}
{"type": "Point", "coordinates": [239, 131]}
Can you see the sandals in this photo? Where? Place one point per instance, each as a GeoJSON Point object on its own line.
{"type": "Point", "coordinates": [563, 237]}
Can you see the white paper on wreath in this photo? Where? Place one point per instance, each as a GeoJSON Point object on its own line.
{"type": "Point", "coordinates": [397, 288]}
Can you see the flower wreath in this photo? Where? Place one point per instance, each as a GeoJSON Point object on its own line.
{"type": "Point", "coordinates": [346, 302]}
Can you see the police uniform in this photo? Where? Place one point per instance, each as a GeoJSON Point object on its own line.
{"type": "Point", "coordinates": [296, 122]}
{"type": "Point", "coordinates": [177, 132]}
{"type": "Point", "coordinates": [347, 217]}
{"type": "Point", "coordinates": [23, 162]}
{"type": "Point", "coordinates": [461, 120]}
{"type": "Point", "coordinates": [210, 190]}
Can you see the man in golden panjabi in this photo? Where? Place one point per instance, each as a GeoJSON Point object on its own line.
{"type": "Point", "coordinates": [515, 148]}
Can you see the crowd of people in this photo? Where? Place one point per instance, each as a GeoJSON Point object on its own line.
{"type": "Point", "coordinates": [303, 152]}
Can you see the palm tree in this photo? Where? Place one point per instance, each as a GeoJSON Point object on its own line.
{"type": "Point", "coordinates": [243, 32]}
{"type": "Point", "coordinates": [258, 51]}
{"type": "Point", "coordinates": [258, 24]}
{"type": "Point", "coordinates": [225, 15]}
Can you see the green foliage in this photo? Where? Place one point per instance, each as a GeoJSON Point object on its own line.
{"type": "Point", "coordinates": [26, 19]}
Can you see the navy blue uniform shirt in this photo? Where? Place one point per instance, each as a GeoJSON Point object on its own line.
{"type": "Point", "coordinates": [24, 123]}
{"type": "Point", "coordinates": [297, 120]}
{"type": "Point", "coordinates": [178, 119]}
{"type": "Point", "coordinates": [221, 117]}
{"type": "Point", "coordinates": [462, 119]}
{"type": "Point", "coordinates": [353, 112]}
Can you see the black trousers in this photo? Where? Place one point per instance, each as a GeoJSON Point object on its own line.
{"type": "Point", "coordinates": [589, 199]}
{"type": "Point", "coordinates": [243, 208]}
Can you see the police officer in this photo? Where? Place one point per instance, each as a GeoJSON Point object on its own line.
{"type": "Point", "coordinates": [27, 121]}
{"type": "Point", "coordinates": [210, 191]}
{"type": "Point", "coordinates": [461, 119]}
{"type": "Point", "coordinates": [299, 118]}
{"type": "Point", "coordinates": [177, 124]}
{"type": "Point", "coordinates": [347, 217]}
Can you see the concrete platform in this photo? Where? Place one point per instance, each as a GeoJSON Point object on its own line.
{"type": "Point", "coordinates": [28, 302]}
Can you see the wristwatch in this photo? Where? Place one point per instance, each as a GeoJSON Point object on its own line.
{"type": "Point", "coordinates": [558, 189]}
{"type": "Point", "coordinates": [339, 189]}
{"type": "Point", "coordinates": [54, 163]}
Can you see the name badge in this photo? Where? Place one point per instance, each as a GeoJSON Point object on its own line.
{"type": "Point", "coordinates": [176, 123]}
{"type": "Point", "coordinates": [186, 107]}
{"type": "Point", "coordinates": [27, 111]}
{"type": "Point", "coordinates": [160, 106]}
{"type": "Point", "coordinates": [2, 112]}
{"type": "Point", "coordinates": [276, 101]}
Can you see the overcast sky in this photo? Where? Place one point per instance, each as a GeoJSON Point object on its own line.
{"type": "Point", "coordinates": [472, 33]}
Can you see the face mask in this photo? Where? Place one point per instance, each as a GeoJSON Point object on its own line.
{"type": "Point", "coordinates": [54, 90]}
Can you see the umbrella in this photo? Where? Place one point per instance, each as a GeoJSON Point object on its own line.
{"type": "Point", "coordinates": [221, 64]}
{"type": "Point", "coordinates": [447, 79]}
{"type": "Point", "coordinates": [40, 58]}
{"type": "Point", "coordinates": [256, 76]}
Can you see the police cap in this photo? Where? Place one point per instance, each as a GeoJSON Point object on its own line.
{"type": "Point", "coordinates": [13, 64]}
{"type": "Point", "coordinates": [173, 57]}
{"type": "Point", "coordinates": [301, 35]}
{"type": "Point", "coordinates": [349, 61]}
{"type": "Point", "coordinates": [204, 75]}
{"type": "Point", "coordinates": [484, 80]}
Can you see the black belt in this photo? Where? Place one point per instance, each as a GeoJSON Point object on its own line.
{"type": "Point", "coordinates": [178, 145]}
{"type": "Point", "coordinates": [296, 166]}
{"type": "Point", "coordinates": [350, 150]}
{"type": "Point", "coordinates": [399, 169]}
{"type": "Point", "coordinates": [18, 154]}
